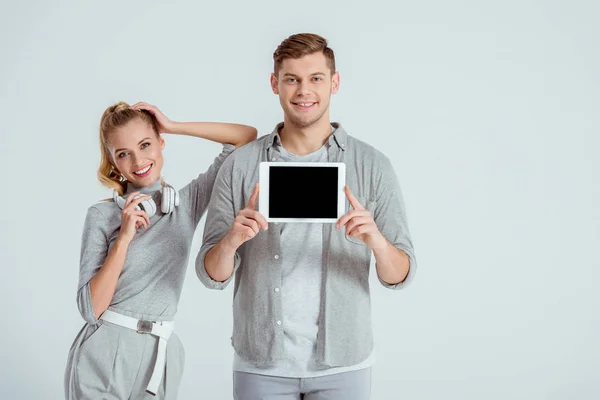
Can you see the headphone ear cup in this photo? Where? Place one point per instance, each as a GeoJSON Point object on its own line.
{"type": "Point", "coordinates": [118, 199]}
{"type": "Point", "coordinates": [149, 207]}
{"type": "Point", "coordinates": [168, 200]}
{"type": "Point", "coordinates": [176, 198]}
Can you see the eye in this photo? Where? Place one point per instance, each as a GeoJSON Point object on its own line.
{"type": "Point", "coordinates": [122, 155]}
{"type": "Point", "coordinates": [290, 80]}
{"type": "Point", "coordinates": [317, 78]}
{"type": "Point", "coordinates": [144, 145]}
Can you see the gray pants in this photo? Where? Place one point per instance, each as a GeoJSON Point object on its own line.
{"type": "Point", "coordinates": [354, 385]}
{"type": "Point", "coordinates": [112, 362]}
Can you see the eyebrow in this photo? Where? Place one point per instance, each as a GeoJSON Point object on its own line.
{"type": "Point", "coordinates": [140, 142]}
{"type": "Point", "coordinates": [296, 76]}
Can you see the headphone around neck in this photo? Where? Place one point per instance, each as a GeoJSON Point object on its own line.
{"type": "Point", "coordinates": [169, 200]}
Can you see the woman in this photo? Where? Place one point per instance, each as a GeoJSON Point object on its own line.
{"type": "Point", "coordinates": [134, 254]}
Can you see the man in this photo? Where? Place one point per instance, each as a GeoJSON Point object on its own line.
{"type": "Point", "coordinates": [301, 305]}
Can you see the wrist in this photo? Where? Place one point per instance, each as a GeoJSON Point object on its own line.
{"type": "Point", "coordinates": [173, 127]}
{"type": "Point", "coordinates": [380, 244]}
{"type": "Point", "coordinates": [122, 242]}
{"type": "Point", "coordinates": [227, 245]}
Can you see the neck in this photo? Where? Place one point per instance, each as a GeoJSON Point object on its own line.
{"type": "Point", "coordinates": [305, 140]}
{"type": "Point", "coordinates": [144, 189]}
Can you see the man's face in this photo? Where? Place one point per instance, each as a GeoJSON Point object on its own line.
{"type": "Point", "coordinates": [304, 86]}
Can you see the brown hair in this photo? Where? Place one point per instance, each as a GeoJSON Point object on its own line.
{"type": "Point", "coordinates": [114, 117]}
{"type": "Point", "coordinates": [300, 45]}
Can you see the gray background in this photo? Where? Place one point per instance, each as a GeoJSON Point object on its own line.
{"type": "Point", "coordinates": [488, 111]}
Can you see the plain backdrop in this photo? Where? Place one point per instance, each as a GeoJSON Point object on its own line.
{"type": "Point", "coordinates": [489, 111]}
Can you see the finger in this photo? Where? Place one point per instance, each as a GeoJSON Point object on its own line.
{"type": "Point", "coordinates": [129, 199]}
{"type": "Point", "coordinates": [141, 105]}
{"type": "Point", "coordinates": [140, 222]}
{"type": "Point", "coordinates": [143, 215]}
{"type": "Point", "coordinates": [365, 229]}
{"type": "Point", "coordinates": [247, 231]}
{"type": "Point", "coordinates": [253, 198]}
{"type": "Point", "coordinates": [244, 230]}
{"type": "Point", "coordinates": [356, 222]}
{"type": "Point", "coordinates": [349, 215]}
{"type": "Point", "coordinates": [251, 223]}
{"type": "Point", "coordinates": [135, 202]}
{"type": "Point", "coordinates": [353, 201]}
{"type": "Point", "coordinates": [255, 215]}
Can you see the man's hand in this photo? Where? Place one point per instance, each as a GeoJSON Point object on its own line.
{"type": "Point", "coordinates": [360, 224]}
{"type": "Point", "coordinates": [247, 223]}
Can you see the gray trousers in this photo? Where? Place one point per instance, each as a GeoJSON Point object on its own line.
{"type": "Point", "coordinates": [110, 362]}
{"type": "Point", "coordinates": [354, 385]}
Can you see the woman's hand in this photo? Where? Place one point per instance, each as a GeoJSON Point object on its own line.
{"type": "Point", "coordinates": [165, 125]}
{"type": "Point", "coordinates": [132, 219]}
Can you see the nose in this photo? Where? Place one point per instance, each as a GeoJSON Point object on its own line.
{"type": "Point", "coordinates": [134, 159]}
{"type": "Point", "coordinates": [303, 88]}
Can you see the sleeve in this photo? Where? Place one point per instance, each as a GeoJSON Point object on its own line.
{"type": "Point", "coordinates": [94, 249]}
{"type": "Point", "coordinates": [390, 217]}
{"type": "Point", "coordinates": [220, 216]}
{"type": "Point", "coordinates": [200, 189]}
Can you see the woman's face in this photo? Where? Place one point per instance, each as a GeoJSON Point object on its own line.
{"type": "Point", "coordinates": [137, 152]}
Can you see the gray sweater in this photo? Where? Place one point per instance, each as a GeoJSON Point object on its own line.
{"type": "Point", "coordinates": [150, 283]}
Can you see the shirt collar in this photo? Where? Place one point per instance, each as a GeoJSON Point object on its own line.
{"type": "Point", "coordinates": [339, 136]}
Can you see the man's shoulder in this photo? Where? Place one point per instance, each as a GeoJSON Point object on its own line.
{"type": "Point", "coordinates": [366, 152]}
{"type": "Point", "coordinates": [251, 149]}
{"type": "Point", "coordinates": [249, 155]}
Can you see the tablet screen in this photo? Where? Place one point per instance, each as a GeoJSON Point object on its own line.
{"type": "Point", "coordinates": [303, 192]}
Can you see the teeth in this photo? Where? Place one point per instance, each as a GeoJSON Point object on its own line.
{"type": "Point", "coordinates": [306, 104]}
{"type": "Point", "coordinates": [142, 171]}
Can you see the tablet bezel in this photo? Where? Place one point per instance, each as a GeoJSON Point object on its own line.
{"type": "Point", "coordinates": [263, 196]}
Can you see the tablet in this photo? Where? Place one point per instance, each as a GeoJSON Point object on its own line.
{"type": "Point", "coordinates": [302, 191]}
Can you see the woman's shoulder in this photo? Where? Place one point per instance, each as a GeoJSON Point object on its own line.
{"type": "Point", "coordinates": [103, 212]}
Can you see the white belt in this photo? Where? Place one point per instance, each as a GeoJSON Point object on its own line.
{"type": "Point", "coordinates": [162, 330]}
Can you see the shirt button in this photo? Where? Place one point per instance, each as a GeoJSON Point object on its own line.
{"type": "Point", "coordinates": [276, 256]}
{"type": "Point", "coordinates": [278, 322]}
{"type": "Point", "coordinates": [277, 289]}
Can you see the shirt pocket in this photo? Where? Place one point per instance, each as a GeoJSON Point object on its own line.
{"type": "Point", "coordinates": [367, 204]}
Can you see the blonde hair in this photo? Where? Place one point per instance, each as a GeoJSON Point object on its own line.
{"type": "Point", "coordinates": [300, 45]}
{"type": "Point", "coordinates": [114, 117]}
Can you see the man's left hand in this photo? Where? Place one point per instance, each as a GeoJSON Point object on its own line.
{"type": "Point", "coordinates": [360, 224]}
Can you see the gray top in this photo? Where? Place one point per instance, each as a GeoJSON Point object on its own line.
{"type": "Point", "coordinates": [345, 334]}
{"type": "Point", "coordinates": [301, 279]}
{"type": "Point", "coordinates": [150, 283]}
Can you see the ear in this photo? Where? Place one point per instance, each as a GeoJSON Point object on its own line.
{"type": "Point", "coordinates": [335, 83]}
{"type": "Point", "coordinates": [162, 142]}
{"type": "Point", "coordinates": [274, 84]}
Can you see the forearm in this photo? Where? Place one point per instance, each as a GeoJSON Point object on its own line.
{"type": "Point", "coordinates": [220, 260]}
{"type": "Point", "coordinates": [103, 284]}
{"type": "Point", "coordinates": [392, 264]}
{"type": "Point", "coordinates": [226, 133]}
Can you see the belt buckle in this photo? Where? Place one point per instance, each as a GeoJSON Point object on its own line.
{"type": "Point", "coordinates": [144, 326]}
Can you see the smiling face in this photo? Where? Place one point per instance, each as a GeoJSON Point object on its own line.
{"type": "Point", "coordinates": [136, 151]}
{"type": "Point", "coordinates": [304, 86]}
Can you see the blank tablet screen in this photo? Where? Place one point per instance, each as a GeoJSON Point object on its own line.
{"type": "Point", "coordinates": [303, 192]}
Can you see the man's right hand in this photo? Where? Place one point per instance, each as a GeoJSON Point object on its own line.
{"type": "Point", "coordinates": [247, 223]}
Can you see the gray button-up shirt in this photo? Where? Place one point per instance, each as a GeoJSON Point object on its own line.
{"type": "Point", "coordinates": [345, 334]}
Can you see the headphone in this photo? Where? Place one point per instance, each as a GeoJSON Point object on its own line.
{"type": "Point", "coordinates": [170, 200]}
